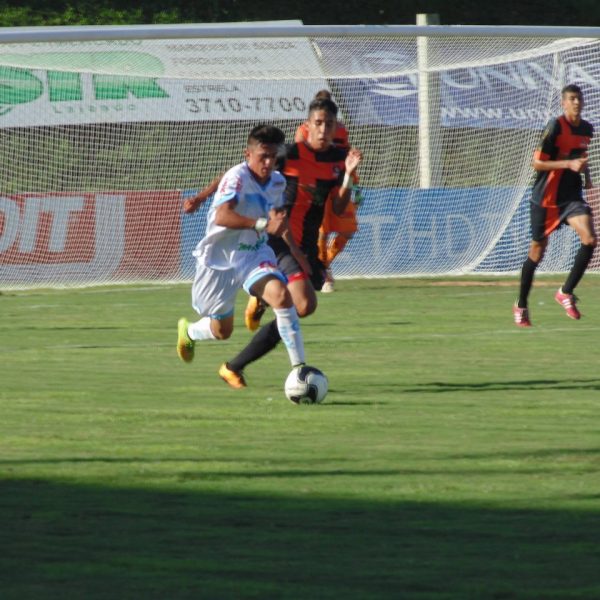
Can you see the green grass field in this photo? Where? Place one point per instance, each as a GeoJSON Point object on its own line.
{"type": "Point", "coordinates": [455, 456]}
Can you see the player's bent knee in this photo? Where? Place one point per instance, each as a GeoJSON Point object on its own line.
{"type": "Point", "coordinates": [277, 295]}
{"type": "Point", "coordinates": [306, 307]}
{"type": "Point", "coordinates": [222, 330]}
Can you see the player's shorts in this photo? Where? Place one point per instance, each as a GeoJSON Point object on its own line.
{"type": "Point", "coordinates": [546, 220]}
{"type": "Point", "coordinates": [344, 223]}
{"type": "Point", "coordinates": [214, 291]}
{"type": "Point", "coordinates": [293, 271]}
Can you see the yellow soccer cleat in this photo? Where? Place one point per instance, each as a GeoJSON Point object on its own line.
{"type": "Point", "coordinates": [232, 378]}
{"type": "Point", "coordinates": [185, 344]}
{"type": "Point", "coordinates": [255, 309]}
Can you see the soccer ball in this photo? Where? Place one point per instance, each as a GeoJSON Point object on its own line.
{"type": "Point", "coordinates": [306, 385]}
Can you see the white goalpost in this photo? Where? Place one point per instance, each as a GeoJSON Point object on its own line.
{"type": "Point", "coordinates": [106, 130]}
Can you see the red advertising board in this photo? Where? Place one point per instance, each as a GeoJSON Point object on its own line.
{"type": "Point", "coordinates": [101, 236]}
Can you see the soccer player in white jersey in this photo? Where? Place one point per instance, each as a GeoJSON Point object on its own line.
{"type": "Point", "coordinates": [235, 254]}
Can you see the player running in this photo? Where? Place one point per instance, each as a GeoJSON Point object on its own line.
{"type": "Point", "coordinates": [235, 254]}
{"type": "Point", "coordinates": [336, 230]}
{"type": "Point", "coordinates": [316, 172]}
{"type": "Point", "coordinates": [557, 198]}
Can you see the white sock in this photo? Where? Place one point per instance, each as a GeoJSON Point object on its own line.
{"type": "Point", "coordinates": [200, 330]}
{"type": "Point", "coordinates": [288, 325]}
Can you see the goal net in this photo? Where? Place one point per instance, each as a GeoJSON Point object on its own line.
{"type": "Point", "coordinates": [103, 139]}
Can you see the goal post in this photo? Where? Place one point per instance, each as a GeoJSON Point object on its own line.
{"type": "Point", "coordinates": [106, 130]}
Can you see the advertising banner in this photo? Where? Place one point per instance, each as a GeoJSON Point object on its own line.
{"type": "Point", "coordinates": [89, 236]}
{"type": "Point", "coordinates": [511, 93]}
{"type": "Point", "coordinates": [157, 80]}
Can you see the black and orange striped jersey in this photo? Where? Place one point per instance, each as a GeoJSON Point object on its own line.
{"type": "Point", "coordinates": [340, 137]}
{"type": "Point", "coordinates": [560, 141]}
{"type": "Point", "coordinates": [311, 176]}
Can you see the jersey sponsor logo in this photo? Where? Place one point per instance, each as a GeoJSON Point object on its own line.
{"type": "Point", "coordinates": [242, 247]}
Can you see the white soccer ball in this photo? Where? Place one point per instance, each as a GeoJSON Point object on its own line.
{"type": "Point", "coordinates": [306, 385]}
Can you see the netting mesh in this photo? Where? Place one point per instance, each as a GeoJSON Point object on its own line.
{"type": "Point", "coordinates": [100, 142]}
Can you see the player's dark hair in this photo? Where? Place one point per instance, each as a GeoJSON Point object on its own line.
{"type": "Point", "coordinates": [323, 104]}
{"type": "Point", "coordinates": [323, 94]}
{"type": "Point", "coordinates": [266, 134]}
{"type": "Point", "coordinates": [571, 88]}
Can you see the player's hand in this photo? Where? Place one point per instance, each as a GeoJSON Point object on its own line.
{"type": "Point", "coordinates": [191, 205]}
{"type": "Point", "coordinates": [353, 159]}
{"type": "Point", "coordinates": [302, 261]}
{"type": "Point", "coordinates": [578, 164]}
{"type": "Point", "coordinates": [277, 224]}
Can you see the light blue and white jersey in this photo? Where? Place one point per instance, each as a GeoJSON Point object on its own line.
{"type": "Point", "coordinates": [223, 248]}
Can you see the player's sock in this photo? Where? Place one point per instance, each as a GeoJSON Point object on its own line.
{"type": "Point", "coordinates": [527, 273]}
{"type": "Point", "coordinates": [582, 259]}
{"type": "Point", "coordinates": [337, 245]}
{"type": "Point", "coordinates": [200, 330]}
{"type": "Point", "coordinates": [265, 339]}
{"type": "Point", "coordinates": [288, 325]}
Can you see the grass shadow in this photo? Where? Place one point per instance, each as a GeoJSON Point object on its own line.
{"type": "Point", "coordinates": [71, 541]}
{"type": "Point", "coordinates": [484, 386]}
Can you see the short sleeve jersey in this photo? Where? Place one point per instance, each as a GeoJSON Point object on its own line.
{"type": "Point", "coordinates": [560, 141]}
{"type": "Point", "coordinates": [224, 248]}
{"type": "Point", "coordinates": [310, 176]}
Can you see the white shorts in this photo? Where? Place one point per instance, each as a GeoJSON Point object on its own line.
{"type": "Point", "coordinates": [214, 291]}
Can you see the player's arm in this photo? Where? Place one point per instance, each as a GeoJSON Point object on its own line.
{"type": "Point", "coordinates": [578, 165]}
{"type": "Point", "coordinates": [342, 197]}
{"type": "Point", "coordinates": [296, 252]}
{"type": "Point", "coordinates": [542, 156]}
{"type": "Point", "coordinates": [227, 216]}
{"type": "Point", "coordinates": [192, 204]}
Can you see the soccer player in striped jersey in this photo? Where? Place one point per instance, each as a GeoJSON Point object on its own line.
{"type": "Point", "coordinates": [234, 253]}
{"type": "Point", "coordinates": [316, 172]}
{"type": "Point", "coordinates": [557, 197]}
{"type": "Point", "coordinates": [336, 230]}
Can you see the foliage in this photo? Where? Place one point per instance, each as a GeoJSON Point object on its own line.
{"type": "Point", "coordinates": [86, 12]}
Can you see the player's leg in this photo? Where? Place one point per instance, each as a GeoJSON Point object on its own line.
{"type": "Point", "coordinates": [302, 292]}
{"type": "Point", "coordinates": [543, 222]}
{"type": "Point", "coordinates": [343, 226]}
{"type": "Point", "coordinates": [583, 225]}
{"type": "Point", "coordinates": [285, 326]}
{"type": "Point", "coordinates": [322, 245]}
{"type": "Point", "coordinates": [324, 232]}
{"type": "Point", "coordinates": [277, 295]}
{"type": "Point", "coordinates": [537, 249]}
{"type": "Point", "coordinates": [268, 336]}
{"type": "Point", "coordinates": [536, 252]}
{"type": "Point", "coordinates": [255, 309]}
{"type": "Point", "coordinates": [213, 297]}
{"type": "Point", "coordinates": [300, 285]}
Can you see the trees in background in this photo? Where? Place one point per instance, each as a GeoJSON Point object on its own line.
{"type": "Point", "coordinates": [311, 12]}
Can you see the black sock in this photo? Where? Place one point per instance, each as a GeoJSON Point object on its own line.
{"type": "Point", "coordinates": [527, 273]}
{"type": "Point", "coordinates": [582, 259]}
{"type": "Point", "coordinates": [266, 338]}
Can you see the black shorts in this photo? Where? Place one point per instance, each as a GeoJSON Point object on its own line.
{"type": "Point", "coordinates": [546, 220]}
{"type": "Point", "coordinates": [289, 266]}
